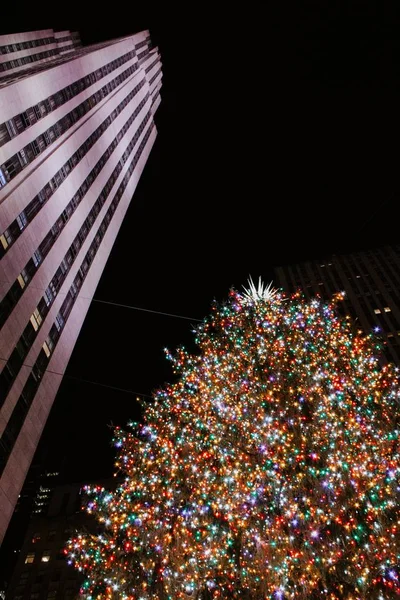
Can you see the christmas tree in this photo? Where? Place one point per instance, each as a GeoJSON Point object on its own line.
{"type": "Point", "coordinates": [268, 470]}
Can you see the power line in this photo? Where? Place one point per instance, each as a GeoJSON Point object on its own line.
{"type": "Point", "coordinates": [149, 310]}
{"type": "Point", "coordinates": [158, 312]}
{"type": "Point", "coordinates": [112, 387]}
{"type": "Point", "coordinates": [97, 382]}
{"type": "Point", "coordinates": [372, 215]}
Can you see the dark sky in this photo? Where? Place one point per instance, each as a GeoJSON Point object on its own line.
{"type": "Point", "coordinates": [278, 141]}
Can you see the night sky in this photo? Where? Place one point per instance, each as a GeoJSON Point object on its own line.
{"type": "Point", "coordinates": [278, 139]}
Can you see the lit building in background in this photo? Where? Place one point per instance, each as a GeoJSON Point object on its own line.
{"type": "Point", "coordinates": [371, 282]}
{"type": "Point", "coordinates": [77, 126]}
{"type": "Point", "coordinates": [41, 570]}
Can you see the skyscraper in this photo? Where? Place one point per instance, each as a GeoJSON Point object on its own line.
{"type": "Point", "coordinates": [19, 50]}
{"type": "Point", "coordinates": [371, 282]}
{"type": "Point", "coordinates": [76, 128]}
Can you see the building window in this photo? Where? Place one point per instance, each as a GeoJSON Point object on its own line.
{"type": "Point", "coordinates": [3, 242]}
{"type": "Point", "coordinates": [6, 239]}
{"type": "Point", "coordinates": [24, 402]}
{"type": "Point", "coordinates": [21, 281]}
{"type": "Point", "coordinates": [29, 558]}
{"type": "Point", "coordinates": [37, 258]}
{"type": "Point", "coordinates": [22, 220]}
{"type": "Point", "coordinates": [387, 309]}
{"type": "Point", "coordinates": [36, 319]}
{"type": "Point", "coordinates": [48, 296]}
{"type": "Point", "coordinates": [46, 556]}
{"type": "Point", "coordinates": [35, 538]}
{"type": "Point", "coordinates": [23, 278]}
{"type": "Point", "coordinates": [377, 311]}
{"type": "Point", "coordinates": [3, 180]}
{"type": "Point", "coordinates": [46, 349]}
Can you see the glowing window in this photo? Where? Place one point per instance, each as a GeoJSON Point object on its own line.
{"type": "Point", "coordinates": [21, 281]}
{"type": "Point", "coordinates": [46, 349]}
{"type": "Point", "coordinates": [29, 558]}
{"type": "Point", "coordinates": [3, 241]}
{"type": "Point", "coordinates": [36, 319]}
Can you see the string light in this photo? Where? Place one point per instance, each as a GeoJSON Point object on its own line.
{"type": "Point", "coordinates": [269, 470]}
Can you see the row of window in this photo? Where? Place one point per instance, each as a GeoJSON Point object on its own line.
{"type": "Point", "coordinates": [59, 60]}
{"type": "Point", "coordinates": [385, 267]}
{"type": "Point", "coordinates": [30, 558]}
{"type": "Point", "coordinates": [45, 578]}
{"type": "Point", "coordinates": [374, 263]}
{"type": "Point", "coordinates": [51, 536]}
{"type": "Point", "coordinates": [66, 38]}
{"type": "Point", "coordinates": [151, 65]}
{"type": "Point", "coordinates": [25, 342]}
{"type": "Point", "coordinates": [155, 76]}
{"type": "Point", "coordinates": [26, 155]}
{"type": "Point", "coordinates": [143, 43]}
{"type": "Point", "coordinates": [387, 275]}
{"type": "Point", "coordinates": [70, 592]}
{"type": "Point", "coordinates": [25, 60]}
{"type": "Point", "coordinates": [10, 300]}
{"type": "Point", "coordinates": [18, 46]}
{"type": "Point", "coordinates": [20, 122]}
{"type": "Point", "coordinates": [43, 575]}
{"type": "Point", "coordinates": [25, 400]}
{"type": "Point", "coordinates": [38, 67]}
{"type": "Point", "coordinates": [148, 44]}
{"type": "Point", "coordinates": [154, 100]}
{"type": "Point", "coordinates": [33, 207]}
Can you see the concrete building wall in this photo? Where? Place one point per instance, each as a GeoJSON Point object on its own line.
{"type": "Point", "coordinates": [39, 46]}
{"type": "Point", "coordinates": [52, 261]}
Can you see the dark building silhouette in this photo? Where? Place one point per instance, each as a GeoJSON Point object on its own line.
{"type": "Point", "coordinates": [371, 282]}
{"type": "Point", "coordinates": [42, 571]}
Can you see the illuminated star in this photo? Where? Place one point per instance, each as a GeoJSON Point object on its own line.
{"type": "Point", "coordinates": [262, 292]}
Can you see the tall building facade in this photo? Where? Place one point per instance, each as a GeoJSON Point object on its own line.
{"type": "Point", "coordinates": [76, 129]}
{"type": "Point", "coordinates": [371, 282]}
{"type": "Point", "coordinates": [21, 50]}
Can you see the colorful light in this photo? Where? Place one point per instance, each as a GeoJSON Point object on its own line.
{"type": "Point", "coordinates": [269, 470]}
